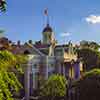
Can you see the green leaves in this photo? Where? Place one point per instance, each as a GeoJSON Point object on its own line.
{"type": "Point", "coordinates": [54, 86]}
{"type": "Point", "coordinates": [7, 60]}
{"type": "Point", "coordinates": [4, 86]}
{"type": "Point", "coordinates": [91, 73]}
{"type": "Point", "coordinates": [3, 5]}
{"type": "Point", "coordinates": [9, 65]}
{"type": "Point", "coordinates": [90, 57]}
{"type": "Point", "coordinates": [89, 44]}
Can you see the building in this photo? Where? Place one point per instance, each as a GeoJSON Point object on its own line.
{"type": "Point", "coordinates": [46, 57]}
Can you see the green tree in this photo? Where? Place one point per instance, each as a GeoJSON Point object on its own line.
{"type": "Point", "coordinates": [9, 83]}
{"type": "Point", "coordinates": [84, 44]}
{"type": "Point", "coordinates": [90, 57]}
{"type": "Point", "coordinates": [88, 88]}
{"type": "Point", "coordinates": [89, 44]}
{"type": "Point", "coordinates": [55, 86]}
{"type": "Point", "coordinates": [1, 33]}
{"type": "Point", "coordinates": [3, 5]}
{"type": "Point", "coordinates": [94, 45]}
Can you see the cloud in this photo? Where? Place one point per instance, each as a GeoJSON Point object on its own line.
{"type": "Point", "coordinates": [65, 34]}
{"type": "Point", "coordinates": [93, 19]}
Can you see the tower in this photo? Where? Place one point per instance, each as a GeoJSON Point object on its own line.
{"type": "Point", "coordinates": [48, 35]}
{"type": "Point", "coordinates": [47, 32]}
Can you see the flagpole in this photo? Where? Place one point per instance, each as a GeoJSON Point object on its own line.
{"type": "Point", "coordinates": [47, 16]}
{"type": "Point", "coordinates": [47, 19]}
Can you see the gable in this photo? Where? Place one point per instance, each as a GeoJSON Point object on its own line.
{"type": "Point", "coordinates": [32, 50]}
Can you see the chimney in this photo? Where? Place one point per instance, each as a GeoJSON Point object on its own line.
{"type": "Point", "coordinates": [18, 43]}
{"type": "Point", "coordinates": [30, 42]}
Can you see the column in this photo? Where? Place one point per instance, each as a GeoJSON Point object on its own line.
{"type": "Point", "coordinates": [47, 67]}
{"type": "Point", "coordinates": [27, 82]}
{"type": "Point", "coordinates": [64, 69]}
{"type": "Point", "coordinates": [77, 69]}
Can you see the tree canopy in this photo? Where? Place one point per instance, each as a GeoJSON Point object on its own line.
{"type": "Point", "coordinates": [54, 86]}
{"type": "Point", "coordinates": [90, 58]}
{"type": "Point", "coordinates": [3, 5]}
{"type": "Point", "coordinates": [8, 81]}
{"type": "Point", "coordinates": [89, 44]}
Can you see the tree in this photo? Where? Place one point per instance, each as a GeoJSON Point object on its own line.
{"type": "Point", "coordinates": [90, 57]}
{"type": "Point", "coordinates": [94, 45]}
{"type": "Point", "coordinates": [84, 44]}
{"type": "Point", "coordinates": [1, 33]}
{"type": "Point", "coordinates": [3, 5]}
{"type": "Point", "coordinates": [89, 44]}
{"type": "Point", "coordinates": [8, 81]}
{"type": "Point", "coordinates": [55, 86]}
{"type": "Point", "coordinates": [88, 88]}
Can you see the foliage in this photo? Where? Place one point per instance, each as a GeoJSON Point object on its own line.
{"type": "Point", "coordinates": [7, 59]}
{"type": "Point", "coordinates": [90, 58]}
{"type": "Point", "coordinates": [8, 80]}
{"type": "Point", "coordinates": [20, 59]}
{"type": "Point", "coordinates": [89, 44]}
{"type": "Point", "coordinates": [92, 73]}
{"type": "Point", "coordinates": [94, 45]}
{"type": "Point", "coordinates": [88, 88]}
{"type": "Point", "coordinates": [2, 31]}
{"type": "Point", "coordinates": [54, 86]}
{"type": "Point", "coordinates": [84, 43]}
{"type": "Point", "coordinates": [3, 5]}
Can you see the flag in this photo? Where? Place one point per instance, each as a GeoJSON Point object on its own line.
{"type": "Point", "coordinates": [46, 12]}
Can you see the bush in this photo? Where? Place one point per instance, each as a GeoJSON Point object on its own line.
{"type": "Point", "coordinates": [55, 86]}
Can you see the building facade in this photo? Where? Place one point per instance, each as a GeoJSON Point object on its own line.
{"type": "Point", "coordinates": [51, 58]}
{"type": "Point", "coordinates": [46, 57]}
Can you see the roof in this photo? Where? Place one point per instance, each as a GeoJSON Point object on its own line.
{"type": "Point", "coordinates": [26, 49]}
{"type": "Point", "coordinates": [40, 46]}
{"type": "Point", "coordinates": [63, 45]}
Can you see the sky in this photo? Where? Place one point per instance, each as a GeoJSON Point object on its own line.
{"type": "Point", "coordinates": [74, 20]}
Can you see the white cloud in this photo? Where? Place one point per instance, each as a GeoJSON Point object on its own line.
{"type": "Point", "coordinates": [93, 19]}
{"type": "Point", "coordinates": [65, 34]}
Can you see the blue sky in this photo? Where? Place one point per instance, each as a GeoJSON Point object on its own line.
{"type": "Point", "coordinates": [70, 19]}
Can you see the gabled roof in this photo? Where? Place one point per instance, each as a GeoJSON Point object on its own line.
{"type": "Point", "coordinates": [30, 49]}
